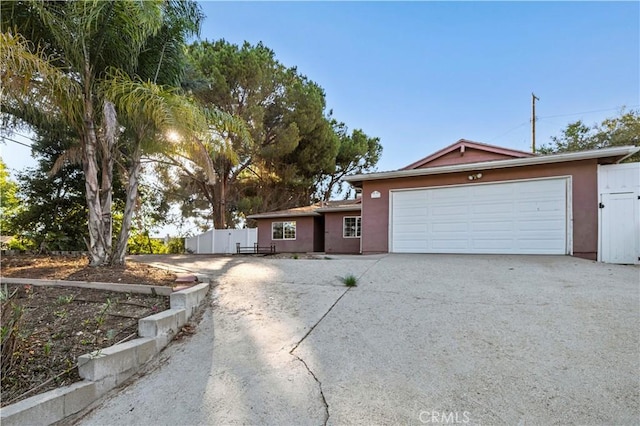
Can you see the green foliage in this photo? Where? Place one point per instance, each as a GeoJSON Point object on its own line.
{"type": "Point", "coordinates": [10, 339]}
{"type": "Point", "coordinates": [616, 131]}
{"type": "Point", "coordinates": [54, 208]}
{"type": "Point", "coordinates": [357, 153]}
{"type": "Point", "coordinates": [64, 64]}
{"type": "Point", "coordinates": [64, 300]}
{"type": "Point", "coordinates": [175, 246]}
{"type": "Point", "coordinates": [284, 114]}
{"type": "Point", "coordinates": [141, 243]}
{"type": "Point", "coordinates": [100, 318]}
{"type": "Point", "coordinates": [9, 202]}
{"type": "Point", "coordinates": [47, 348]}
{"type": "Point", "coordinates": [350, 280]}
{"type": "Point", "coordinates": [295, 153]}
{"type": "Point", "coordinates": [22, 243]}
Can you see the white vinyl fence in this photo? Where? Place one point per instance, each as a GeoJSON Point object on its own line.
{"type": "Point", "coordinates": [221, 241]}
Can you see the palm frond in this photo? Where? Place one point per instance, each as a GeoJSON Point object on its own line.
{"type": "Point", "coordinates": [29, 80]}
{"type": "Point", "coordinates": [70, 156]}
{"type": "Point", "coordinates": [155, 105]}
{"type": "Point", "coordinates": [100, 32]}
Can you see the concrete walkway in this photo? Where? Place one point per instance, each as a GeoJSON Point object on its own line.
{"type": "Point", "coordinates": [421, 340]}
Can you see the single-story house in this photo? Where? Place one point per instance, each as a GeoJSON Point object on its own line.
{"type": "Point", "coordinates": [472, 197]}
{"type": "Point", "coordinates": [329, 226]}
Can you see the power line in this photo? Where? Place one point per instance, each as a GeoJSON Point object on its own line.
{"type": "Point", "coordinates": [15, 141]}
{"type": "Point", "coordinates": [24, 136]}
{"type": "Point", "coordinates": [509, 131]}
{"type": "Point", "coordinates": [584, 112]}
{"type": "Point", "coordinates": [557, 116]}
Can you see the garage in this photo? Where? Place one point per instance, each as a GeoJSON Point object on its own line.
{"type": "Point", "coordinates": [514, 217]}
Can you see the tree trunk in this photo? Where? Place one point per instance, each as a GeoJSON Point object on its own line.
{"type": "Point", "coordinates": [220, 211]}
{"type": "Point", "coordinates": [120, 252]}
{"type": "Point", "coordinates": [96, 244]}
{"type": "Point", "coordinates": [110, 129]}
{"type": "Point", "coordinates": [329, 191]}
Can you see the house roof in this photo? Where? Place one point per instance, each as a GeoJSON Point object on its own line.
{"type": "Point", "coordinates": [613, 155]}
{"type": "Point", "coordinates": [313, 210]}
{"type": "Point", "coordinates": [341, 205]}
{"type": "Point", "coordinates": [462, 145]}
{"type": "Point", "coordinates": [297, 211]}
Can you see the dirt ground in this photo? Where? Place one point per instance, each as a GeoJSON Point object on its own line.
{"type": "Point", "coordinates": [78, 269]}
{"type": "Point", "coordinates": [45, 329]}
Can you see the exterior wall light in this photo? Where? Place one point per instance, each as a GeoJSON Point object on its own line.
{"type": "Point", "coordinates": [475, 176]}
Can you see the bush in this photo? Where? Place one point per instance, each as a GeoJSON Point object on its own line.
{"type": "Point", "coordinates": [176, 246]}
{"type": "Point", "coordinates": [21, 243]}
{"type": "Point", "coordinates": [143, 244]}
{"type": "Point", "coordinates": [10, 340]}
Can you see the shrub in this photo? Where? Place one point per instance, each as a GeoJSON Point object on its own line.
{"type": "Point", "coordinates": [143, 244]}
{"type": "Point", "coordinates": [10, 331]}
{"type": "Point", "coordinates": [176, 246]}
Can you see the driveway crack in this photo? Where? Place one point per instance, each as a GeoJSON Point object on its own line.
{"type": "Point", "coordinates": [324, 400]}
{"type": "Point", "coordinates": [291, 352]}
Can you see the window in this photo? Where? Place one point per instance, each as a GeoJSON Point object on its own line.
{"type": "Point", "coordinates": [351, 227]}
{"type": "Point", "coordinates": [283, 230]}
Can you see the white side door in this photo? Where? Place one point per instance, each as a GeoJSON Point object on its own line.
{"type": "Point", "coordinates": [620, 228]}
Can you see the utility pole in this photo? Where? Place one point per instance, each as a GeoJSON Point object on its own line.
{"type": "Point", "coordinates": [534, 98]}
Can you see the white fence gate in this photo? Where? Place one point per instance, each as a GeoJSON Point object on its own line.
{"type": "Point", "coordinates": [221, 241]}
{"type": "Point", "coordinates": [619, 213]}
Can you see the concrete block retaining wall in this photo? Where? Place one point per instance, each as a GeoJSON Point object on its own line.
{"type": "Point", "coordinates": [107, 368]}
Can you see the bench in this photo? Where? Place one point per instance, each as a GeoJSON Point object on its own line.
{"type": "Point", "coordinates": [256, 249]}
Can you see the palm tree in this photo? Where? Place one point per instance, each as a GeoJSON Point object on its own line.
{"type": "Point", "coordinates": [62, 62]}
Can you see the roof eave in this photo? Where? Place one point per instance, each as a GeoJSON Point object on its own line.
{"type": "Point", "coordinates": [281, 215]}
{"type": "Point", "coordinates": [623, 152]}
{"type": "Point", "coordinates": [353, 208]}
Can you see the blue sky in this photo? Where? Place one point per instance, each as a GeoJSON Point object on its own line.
{"type": "Point", "coordinates": [421, 75]}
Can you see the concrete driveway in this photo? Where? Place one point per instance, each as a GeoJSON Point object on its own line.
{"type": "Point", "coordinates": [422, 339]}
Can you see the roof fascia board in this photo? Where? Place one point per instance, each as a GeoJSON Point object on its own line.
{"type": "Point", "coordinates": [280, 215]}
{"type": "Point", "coordinates": [340, 209]}
{"type": "Point", "coordinates": [624, 151]}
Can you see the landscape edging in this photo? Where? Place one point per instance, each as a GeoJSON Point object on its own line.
{"type": "Point", "coordinates": [105, 369]}
{"type": "Point", "coordinates": [118, 287]}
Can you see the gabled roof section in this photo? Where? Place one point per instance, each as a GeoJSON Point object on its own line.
{"type": "Point", "coordinates": [474, 151]}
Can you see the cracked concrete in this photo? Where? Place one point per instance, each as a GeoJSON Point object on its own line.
{"type": "Point", "coordinates": [491, 339]}
{"type": "Point", "coordinates": [324, 400]}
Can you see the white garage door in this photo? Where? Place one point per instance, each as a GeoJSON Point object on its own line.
{"type": "Point", "coordinates": [521, 217]}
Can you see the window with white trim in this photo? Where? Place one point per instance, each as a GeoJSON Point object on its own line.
{"type": "Point", "coordinates": [351, 226]}
{"type": "Point", "coordinates": [283, 230]}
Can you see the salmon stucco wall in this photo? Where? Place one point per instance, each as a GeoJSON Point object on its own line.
{"type": "Point", "coordinates": [334, 242]}
{"type": "Point", "coordinates": [469, 156]}
{"type": "Point", "coordinates": [375, 211]}
{"type": "Point", "coordinates": [305, 230]}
